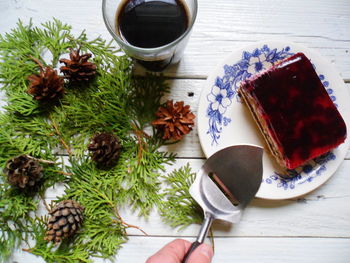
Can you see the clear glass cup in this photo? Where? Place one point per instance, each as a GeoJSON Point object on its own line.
{"type": "Point", "coordinates": [154, 59]}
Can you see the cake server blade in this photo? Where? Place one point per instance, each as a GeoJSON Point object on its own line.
{"type": "Point", "coordinates": [225, 184]}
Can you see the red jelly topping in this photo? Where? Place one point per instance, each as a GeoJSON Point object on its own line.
{"type": "Point", "coordinates": [301, 117]}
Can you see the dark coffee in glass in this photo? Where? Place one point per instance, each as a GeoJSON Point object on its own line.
{"type": "Point", "coordinates": [154, 32]}
{"type": "Point", "coordinates": [150, 24]}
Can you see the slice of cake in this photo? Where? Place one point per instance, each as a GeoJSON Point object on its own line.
{"type": "Point", "coordinates": [294, 111]}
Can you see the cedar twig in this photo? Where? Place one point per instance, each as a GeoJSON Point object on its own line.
{"type": "Point", "coordinates": [64, 173]}
{"type": "Point", "coordinates": [139, 130]}
{"type": "Point", "coordinates": [40, 160]}
{"type": "Point", "coordinates": [127, 224]}
{"type": "Point", "coordinates": [60, 137]}
{"type": "Point", "coordinates": [140, 142]}
{"type": "Point", "coordinates": [139, 134]}
{"type": "Point", "coordinates": [45, 203]}
{"type": "Point", "coordinates": [116, 213]}
{"type": "Point", "coordinates": [37, 62]}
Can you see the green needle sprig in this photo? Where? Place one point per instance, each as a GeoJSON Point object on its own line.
{"type": "Point", "coordinates": [58, 134]}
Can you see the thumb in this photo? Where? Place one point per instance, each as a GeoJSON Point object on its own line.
{"type": "Point", "coordinates": [202, 254]}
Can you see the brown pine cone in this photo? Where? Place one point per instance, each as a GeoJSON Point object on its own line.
{"type": "Point", "coordinates": [174, 120]}
{"type": "Point", "coordinates": [46, 86]}
{"type": "Point", "coordinates": [66, 218]}
{"type": "Point", "coordinates": [23, 172]}
{"type": "Point", "coordinates": [105, 149]}
{"type": "Point", "coordinates": [78, 68]}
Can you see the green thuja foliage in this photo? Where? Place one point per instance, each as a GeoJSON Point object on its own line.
{"type": "Point", "coordinates": [17, 206]}
{"type": "Point", "coordinates": [114, 101]}
{"type": "Point", "coordinates": [103, 232]}
{"type": "Point", "coordinates": [64, 253]}
{"type": "Point", "coordinates": [180, 209]}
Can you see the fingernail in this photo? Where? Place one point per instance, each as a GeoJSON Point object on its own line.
{"type": "Point", "coordinates": [207, 251]}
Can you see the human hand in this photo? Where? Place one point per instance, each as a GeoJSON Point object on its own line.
{"type": "Point", "coordinates": [175, 251]}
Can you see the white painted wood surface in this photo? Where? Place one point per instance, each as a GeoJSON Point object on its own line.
{"type": "Point", "coordinates": [313, 228]}
{"type": "Point", "coordinates": [233, 250]}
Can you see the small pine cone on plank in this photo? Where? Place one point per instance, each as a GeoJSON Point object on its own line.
{"type": "Point", "coordinates": [23, 172]}
{"type": "Point", "coordinates": [66, 218]}
{"type": "Point", "coordinates": [105, 149]}
{"type": "Point", "coordinates": [174, 120]}
{"type": "Point", "coordinates": [46, 86]}
{"type": "Point", "coordinates": [78, 68]}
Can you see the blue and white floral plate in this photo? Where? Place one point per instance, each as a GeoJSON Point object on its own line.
{"type": "Point", "coordinates": [223, 119]}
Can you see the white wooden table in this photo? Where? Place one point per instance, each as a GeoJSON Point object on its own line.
{"type": "Point", "coordinates": [312, 228]}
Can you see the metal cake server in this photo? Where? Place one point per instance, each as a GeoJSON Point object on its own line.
{"type": "Point", "coordinates": [225, 184]}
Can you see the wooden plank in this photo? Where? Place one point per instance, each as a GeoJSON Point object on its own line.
{"type": "Point", "coordinates": [220, 28]}
{"type": "Point", "coordinates": [254, 250]}
{"type": "Point", "coordinates": [228, 250]}
{"type": "Point", "coordinates": [321, 213]}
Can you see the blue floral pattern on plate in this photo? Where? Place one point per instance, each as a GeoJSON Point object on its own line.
{"type": "Point", "coordinates": [224, 91]}
{"type": "Point", "coordinates": [225, 88]}
{"type": "Point", "coordinates": [295, 177]}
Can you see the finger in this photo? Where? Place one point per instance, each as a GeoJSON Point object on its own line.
{"type": "Point", "coordinates": [202, 254]}
{"type": "Point", "coordinates": [173, 252]}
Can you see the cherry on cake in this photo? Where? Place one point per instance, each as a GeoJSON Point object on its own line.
{"type": "Point", "coordinates": [294, 111]}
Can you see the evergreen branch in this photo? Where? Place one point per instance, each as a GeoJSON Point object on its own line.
{"type": "Point", "coordinates": [24, 135]}
{"type": "Point", "coordinates": [60, 137]}
{"type": "Point", "coordinates": [127, 224]}
{"type": "Point", "coordinates": [140, 134]}
{"type": "Point", "coordinates": [41, 66]}
{"type": "Point", "coordinates": [65, 173]}
{"type": "Point", "coordinates": [55, 37]}
{"type": "Point", "coordinates": [142, 180]}
{"type": "Point", "coordinates": [151, 88]}
{"type": "Point", "coordinates": [103, 232]}
{"type": "Point", "coordinates": [115, 102]}
{"type": "Point", "coordinates": [180, 209]}
{"type": "Point", "coordinates": [48, 209]}
{"type": "Point", "coordinates": [15, 208]}
{"type": "Point", "coordinates": [65, 253]}
{"type": "Point", "coordinates": [40, 160]}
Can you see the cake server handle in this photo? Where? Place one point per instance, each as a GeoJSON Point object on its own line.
{"type": "Point", "coordinates": [203, 232]}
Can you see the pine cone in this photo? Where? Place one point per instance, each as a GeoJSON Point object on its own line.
{"type": "Point", "coordinates": [23, 172]}
{"type": "Point", "coordinates": [175, 120]}
{"type": "Point", "coordinates": [105, 149]}
{"type": "Point", "coordinates": [66, 218]}
{"type": "Point", "coordinates": [47, 86]}
{"type": "Point", "coordinates": [78, 68]}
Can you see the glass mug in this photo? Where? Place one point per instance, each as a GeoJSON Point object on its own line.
{"type": "Point", "coordinates": [153, 58]}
